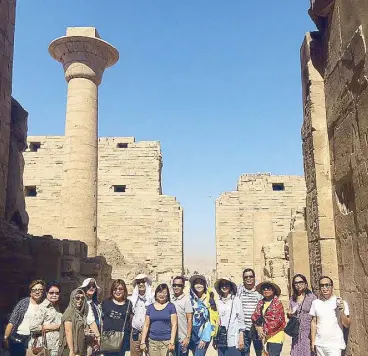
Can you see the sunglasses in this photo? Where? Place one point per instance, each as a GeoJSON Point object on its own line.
{"type": "Point", "coordinates": [90, 286]}
{"type": "Point", "coordinates": [140, 281]}
{"type": "Point", "coordinates": [37, 290]}
{"type": "Point", "coordinates": [248, 277]}
{"type": "Point", "coordinates": [266, 287]}
{"type": "Point", "coordinates": [53, 293]}
{"type": "Point", "coordinates": [118, 289]}
{"type": "Point", "coordinates": [225, 285]}
{"type": "Point", "coordinates": [178, 285]}
{"type": "Point", "coordinates": [326, 285]}
{"type": "Point", "coordinates": [78, 297]}
{"type": "Point", "coordinates": [297, 283]}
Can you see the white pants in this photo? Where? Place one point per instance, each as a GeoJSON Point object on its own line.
{"type": "Point", "coordinates": [328, 351]}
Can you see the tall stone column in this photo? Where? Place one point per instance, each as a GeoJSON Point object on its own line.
{"type": "Point", "coordinates": [84, 57]}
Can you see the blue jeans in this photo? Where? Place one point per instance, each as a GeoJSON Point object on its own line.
{"type": "Point", "coordinates": [228, 351]}
{"type": "Point", "coordinates": [257, 345]}
{"type": "Point", "coordinates": [195, 350]}
{"type": "Point", "coordinates": [179, 349]}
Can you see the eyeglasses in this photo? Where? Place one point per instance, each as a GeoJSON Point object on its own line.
{"type": "Point", "coordinates": [118, 289]}
{"type": "Point", "coordinates": [248, 277]}
{"type": "Point", "coordinates": [54, 293]}
{"type": "Point", "coordinates": [325, 285]}
{"type": "Point", "coordinates": [37, 290]}
{"type": "Point", "coordinates": [140, 281]}
{"type": "Point", "coordinates": [90, 286]}
{"type": "Point", "coordinates": [178, 285]}
{"type": "Point", "coordinates": [297, 283]}
{"type": "Point", "coordinates": [78, 297]}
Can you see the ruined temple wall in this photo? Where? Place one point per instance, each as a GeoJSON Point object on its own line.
{"type": "Point", "coordinates": [145, 226]}
{"type": "Point", "coordinates": [7, 26]}
{"type": "Point", "coordinates": [43, 172]}
{"type": "Point", "coordinates": [343, 29]}
{"type": "Point", "coordinates": [258, 213]}
{"type": "Point", "coordinates": [138, 228]}
{"type": "Point", "coordinates": [319, 214]}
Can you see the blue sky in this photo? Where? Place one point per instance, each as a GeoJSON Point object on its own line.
{"type": "Point", "coordinates": [217, 82]}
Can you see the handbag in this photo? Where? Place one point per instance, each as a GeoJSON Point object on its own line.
{"type": "Point", "coordinates": [221, 337]}
{"type": "Point", "coordinates": [41, 350]}
{"type": "Point", "coordinates": [292, 327]}
{"type": "Point", "coordinates": [111, 341]}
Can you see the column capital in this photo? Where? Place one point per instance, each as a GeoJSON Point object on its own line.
{"type": "Point", "coordinates": [83, 54]}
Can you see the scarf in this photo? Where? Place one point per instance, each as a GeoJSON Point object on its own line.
{"type": "Point", "coordinates": [148, 298]}
{"type": "Point", "coordinates": [274, 316]}
{"type": "Point", "coordinates": [78, 318]}
{"type": "Point", "coordinates": [205, 317]}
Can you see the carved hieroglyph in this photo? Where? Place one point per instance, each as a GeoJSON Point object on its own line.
{"type": "Point", "coordinates": [84, 57]}
{"type": "Point", "coordinates": [338, 99]}
{"type": "Point", "coordinates": [257, 214]}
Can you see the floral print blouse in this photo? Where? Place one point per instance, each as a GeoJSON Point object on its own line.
{"type": "Point", "coordinates": [47, 314]}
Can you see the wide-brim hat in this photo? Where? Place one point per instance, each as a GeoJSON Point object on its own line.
{"type": "Point", "coordinates": [198, 276]}
{"type": "Point", "coordinates": [274, 285]}
{"type": "Point", "coordinates": [227, 279]}
{"type": "Point", "coordinates": [87, 281]}
{"type": "Point", "coordinates": [141, 276]}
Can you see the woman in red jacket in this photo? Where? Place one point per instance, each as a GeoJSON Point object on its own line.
{"type": "Point", "coordinates": [269, 318]}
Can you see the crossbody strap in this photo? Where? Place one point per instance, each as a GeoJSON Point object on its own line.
{"type": "Point", "coordinates": [231, 312]}
{"type": "Point", "coordinates": [126, 316]}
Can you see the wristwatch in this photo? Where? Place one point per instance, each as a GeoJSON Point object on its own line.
{"type": "Point", "coordinates": [5, 337]}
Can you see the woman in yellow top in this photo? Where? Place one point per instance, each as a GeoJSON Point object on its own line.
{"type": "Point", "coordinates": [269, 318]}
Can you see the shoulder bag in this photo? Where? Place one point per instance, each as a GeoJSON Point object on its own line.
{"type": "Point", "coordinates": [111, 341]}
{"type": "Point", "coordinates": [292, 327]}
{"type": "Point", "coordinates": [41, 350]}
{"type": "Point", "coordinates": [221, 337]}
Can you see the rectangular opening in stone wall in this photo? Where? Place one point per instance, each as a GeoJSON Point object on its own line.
{"type": "Point", "coordinates": [30, 191]}
{"type": "Point", "coordinates": [34, 146]}
{"type": "Point", "coordinates": [224, 260]}
{"type": "Point", "coordinates": [119, 188]}
{"type": "Point", "coordinates": [122, 145]}
{"type": "Point", "coordinates": [278, 186]}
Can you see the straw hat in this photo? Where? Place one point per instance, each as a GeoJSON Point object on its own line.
{"type": "Point", "coordinates": [227, 279]}
{"type": "Point", "coordinates": [198, 276]}
{"type": "Point", "coordinates": [141, 276]}
{"type": "Point", "coordinates": [274, 285]}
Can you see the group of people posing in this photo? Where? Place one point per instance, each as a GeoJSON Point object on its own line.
{"type": "Point", "coordinates": [165, 321]}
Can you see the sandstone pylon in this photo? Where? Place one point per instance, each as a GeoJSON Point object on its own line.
{"type": "Point", "coordinates": [84, 57]}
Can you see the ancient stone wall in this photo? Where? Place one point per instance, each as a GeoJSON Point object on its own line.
{"type": "Point", "coordinates": [7, 25]}
{"type": "Point", "coordinates": [257, 214]}
{"type": "Point", "coordinates": [138, 227]}
{"type": "Point", "coordinates": [24, 258]}
{"type": "Point", "coordinates": [342, 41]}
{"type": "Point", "coordinates": [319, 215]}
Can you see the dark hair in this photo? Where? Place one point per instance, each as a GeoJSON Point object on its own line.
{"type": "Point", "coordinates": [323, 277]}
{"type": "Point", "coordinates": [53, 284]}
{"type": "Point", "coordinates": [118, 282]}
{"type": "Point", "coordinates": [160, 288]}
{"type": "Point", "coordinates": [181, 278]}
{"type": "Point", "coordinates": [249, 270]}
{"type": "Point", "coordinates": [204, 283]}
{"type": "Point", "coordinates": [35, 282]}
{"type": "Point", "coordinates": [295, 292]}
